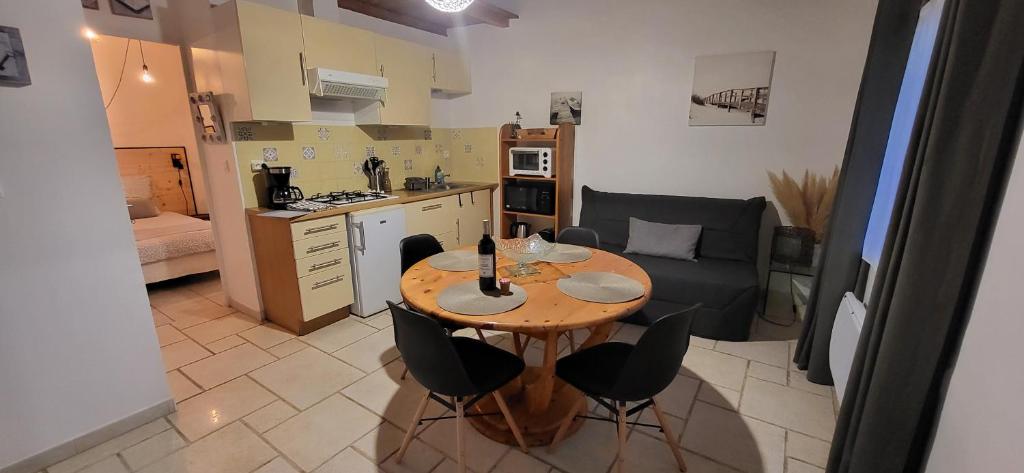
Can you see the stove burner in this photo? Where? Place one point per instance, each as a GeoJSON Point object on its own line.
{"type": "Point", "coordinates": [336, 199]}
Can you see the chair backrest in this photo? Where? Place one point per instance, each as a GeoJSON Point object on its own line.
{"type": "Point", "coordinates": [416, 248]}
{"type": "Point", "coordinates": [429, 354]}
{"type": "Point", "coordinates": [655, 360]}
{"type": "Point", "coordinates": [579, 236]}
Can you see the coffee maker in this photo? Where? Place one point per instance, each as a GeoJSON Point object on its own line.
{"type": "Point", "coordinates": [279, 191]}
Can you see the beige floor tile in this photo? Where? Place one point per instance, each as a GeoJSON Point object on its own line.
{"type": "Point", "coordinates": [270, 416]}
{"type": "Point", "coordinates": [219, 407]}
{"type": "Point", "coordinates": [419, 458]}
{"type": "Point", "coordinates": [775, 353]}
{"type": "Point", "coordinates": [714, 367]}
{"type": "Point", "coordinates": [371, 352]}
{"type": "Point", "coordinates": [590, 449]}
{"type": "Point", "coordinates": [287, 348]}
{"type": "Point", "coordinates": [167, 334]}
{"type": "Point", "coordinates": [277, 465]}
{"type": "Point", "coordinates": [698, 464]}
{"type": "Point", "coordinates": [320, 432]}
{"type": "Point", "coordinates": [110, 447]}
{"type": "Point", "coordinates": [768, 373]}
{"type": "Point", "coordinates": [450, 466]}
{"type": "Point", "coordinates": [707, 343]}
{"type": "Point", "coordinates": [348, 461]}
{"type": "Point", "coordinates": [153, 449]}
{"type": "Point", "coordinates": [629, 333]}
{"type": "Point", "coordinates": [380, 443]}
{"type": "Point", "coordinates": [164, 297]}
{"type": "Point", "coordinates": [267, 335]}
{"type": "Point", "coordinates": [181, 387]}
{"type": "Point", "coordinates": [182, 353]}
{"type": "Point", "coordinates": [380, 320]}
{"type": "Point", "coordinates": [306, 377]}
{"type": "Point", "coordinates": [193, 312]}
{"type": "Point", "coordinates": [217, 329]}
{"type": "Point", "coordinates": [219, 298]}
{"type": "Point", "coordinates": [207, 286]}
{"type": "Point", "coordinates": [383, 393]}
{"type": "Point", "coordinates": [225, 343]}
{"type": "Point", "coordinates": [338, 335]}
{"type": "Point", "coordinates": [233, 449]}
{"type": "Point", "coordinates": [738, 441]}
{"type": "Point", "coordinates": [482, 453]}
{"type": "Point", "coordinates": [159, 318]}
{"type": "Point", "coordinates": [789, 408]}
{"type": "Point", "coordinates": [650, 454]}
{"type": "Point", "coordinates": [677, 425]}
{"type": "Point", "coordinates": [518, 462]}
{"type": "Point", "coordinates": [807, 449]}
{"type": "Point", "coordinates": [108, 465]}
{"type": "Point", "coordinates": [227, 365]}
{"type": "Point", "coordinates": [798, 380]}
{"type": "Point", "coordinates": [677, 398]}
{"type": "Point", "coordinates": [719, 396]}
{"type": "Point", "coordinates": [796, 466]}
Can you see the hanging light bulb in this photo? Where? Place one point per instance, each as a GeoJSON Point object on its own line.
{"type": "Point", "coordinates": [89, 34]}
{"type": "Point", "coordinates": [450, 6]}
{"type": "Point", "coordinates": [146, 76]}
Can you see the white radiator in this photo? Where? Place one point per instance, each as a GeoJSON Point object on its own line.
{"type": "Point", "coordinates": [845, 334]}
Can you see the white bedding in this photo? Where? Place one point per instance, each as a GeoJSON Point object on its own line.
{"type": "Point", "coordinates": [171, 235]}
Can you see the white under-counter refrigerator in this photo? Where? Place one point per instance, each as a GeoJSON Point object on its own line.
{"type": "Point", "coordinates": [373, 236]}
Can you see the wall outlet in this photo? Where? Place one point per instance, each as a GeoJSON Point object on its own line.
{"type": "Point", "coordinates": [256, 165]}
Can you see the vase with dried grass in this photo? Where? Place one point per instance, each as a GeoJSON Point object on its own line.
{"type": "Point", "coordinates": [807, 204]}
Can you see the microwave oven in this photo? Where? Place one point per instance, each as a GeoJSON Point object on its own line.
{"type": "Point", "coordinates": [535, 198]}
{"type": "Point", "coordinates": [531, 162]}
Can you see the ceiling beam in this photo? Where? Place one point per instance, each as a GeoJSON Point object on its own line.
{"type": "Point", "coordinates": [490, 14]}
{"type": "Point", "coordinates": [375, 11]}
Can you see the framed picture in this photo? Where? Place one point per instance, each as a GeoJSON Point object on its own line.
{"type": "Point", "coordinates": [91, 4]}
{"type": "Point", "coordinates": [731, 89]}
{"type": "Point", "coordinates": [13, 63]}
{"type": "Point", "coordinates": [132, 8]}
{"type": "Point", "coordinates": [566, 107]}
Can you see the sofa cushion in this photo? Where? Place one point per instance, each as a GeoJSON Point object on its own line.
{"type": "Point", "coordinates": [713, 282]}
{"type": "Point", "coordinates": [662, 239]}
{"type": "Point", "coordinates": [730, 226]}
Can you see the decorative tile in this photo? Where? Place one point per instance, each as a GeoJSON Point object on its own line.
{"type": "Point", "coordinates": [468, 148]}
{"type": "Point", "coordinates": [318, 433]}
{"type": "Point", "coordinates": [219, 407]}
{"type": "Point", "coordinates": [270, 154]}
{"type": "Point", "coordinates": [323, 133]}
{"type": "Point", "coordinates": [227, 365]}
{"type": "Point", "coordinates": [789, 408]}
{"type": "Point", "coordinates": [396, 151]}
{"type": "Point", "coordinates": [419, 149]}
{"type": "Point", "coordinates": [234, 449]}
{"type": "Point", "coordinates": [308, 153]}
{"type": "Point", "coordinates": [407, 164]}
{"type": "Point", "coordinates": [306, 377]}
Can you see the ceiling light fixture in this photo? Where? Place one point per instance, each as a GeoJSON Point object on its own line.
{"type": "Point", "coordinates": [146, 76]}
{"type": "Point", "coordinates": [89, 34]}
{"type": "Point", "coordinates": [450, 6]}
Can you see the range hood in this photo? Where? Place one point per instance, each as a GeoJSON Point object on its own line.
{"type": "Point", "coordinates": [331, 84]}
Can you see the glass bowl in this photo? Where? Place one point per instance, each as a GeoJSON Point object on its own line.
{"type": "Point", "coordinates": [525, 251]}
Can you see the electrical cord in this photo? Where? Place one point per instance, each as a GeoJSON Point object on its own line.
{"type": "Point", "coordinates": [120, 78]}
{"type": "Point", "coordinates": [184, 197]}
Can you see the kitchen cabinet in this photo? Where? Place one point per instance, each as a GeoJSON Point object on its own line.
{"type": "Point", "coordinates": [451, 73]}
{"type": "Point", "coordinates": [339, 47]}
{"type": "Point", "coordinates": [409, 70]}
{"type": "Point", "coordinates": [454, 220]}
{"type": "Point", "coordinates": [474, 208]}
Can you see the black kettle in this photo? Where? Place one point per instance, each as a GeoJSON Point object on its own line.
{"type": "Point", "coordinates": [519, 230]}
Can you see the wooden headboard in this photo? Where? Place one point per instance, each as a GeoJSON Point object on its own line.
{"type": "Point", "coordinates": [156, 163]}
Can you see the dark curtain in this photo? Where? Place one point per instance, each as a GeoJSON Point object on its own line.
{"type": "Point", "coordinates": [891, 37]}
{"type": "Point", "coordinates": [959, 157]}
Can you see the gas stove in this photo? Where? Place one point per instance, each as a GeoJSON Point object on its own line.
{"type": "Point", "coordinates": [330, 200]}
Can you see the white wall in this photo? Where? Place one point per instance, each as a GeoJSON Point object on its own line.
{"type": "Point", "coordinates": [981, 420]}
{"type": "Point", "coordinates": [77, 345]}
{"type": "Point", "coordinates": [634, 63]}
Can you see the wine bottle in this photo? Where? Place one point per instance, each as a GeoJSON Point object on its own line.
{"type": "Point", "coordinates": [486, 252]}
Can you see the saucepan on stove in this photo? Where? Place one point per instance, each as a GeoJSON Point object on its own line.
{"type": "Point", "coordinates": [415, 183]}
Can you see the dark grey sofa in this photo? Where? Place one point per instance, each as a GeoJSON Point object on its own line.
{"type": "Point", "coordinates": [724, 278]}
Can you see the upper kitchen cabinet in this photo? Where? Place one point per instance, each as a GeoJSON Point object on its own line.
{"type": "Point", "coordinates": [335, 46]}
{"type": "Point", "coordinates": [451, 74]}
{"type": "Point", "coordinates": [253, 59]}
{"type": "Point", "coordinates": [409, 70]}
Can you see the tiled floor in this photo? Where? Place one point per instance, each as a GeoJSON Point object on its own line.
{"type": "Point", "coordinates": [254, 398]}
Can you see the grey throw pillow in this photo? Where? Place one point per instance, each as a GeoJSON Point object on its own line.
{"type": "Point", "coordinates": [662, 239]}
{"type": "Point", "coordinates": [142, 208]}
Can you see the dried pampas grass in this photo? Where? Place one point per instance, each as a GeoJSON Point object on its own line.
{"type": "Point", "coordinates": [808, 204]}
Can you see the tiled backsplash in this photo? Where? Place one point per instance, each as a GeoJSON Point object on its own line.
{"type": "Point", "coordinates": [329, 158]}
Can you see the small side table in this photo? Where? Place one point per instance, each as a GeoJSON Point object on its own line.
{"type": "Point", "coordinates": [792, 252]}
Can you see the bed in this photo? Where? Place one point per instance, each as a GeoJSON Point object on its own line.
{"type": "Point", "coordinates": [172, 245]}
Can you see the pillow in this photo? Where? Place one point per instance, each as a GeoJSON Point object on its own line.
{"type": "Point", "coordinates": [661, 239]}
{"type": "Point", "coordinates": [142, 208]}
{"type": "Point", "coordinates": [137, 187]}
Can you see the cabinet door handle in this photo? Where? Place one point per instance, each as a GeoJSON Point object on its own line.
{"type": "Point", "coordinates": [325, 246]}
{"type": "Point", "coordinates": [324, 228]}
{"type": "Point", "coordinates": [431, 207]}
{"type": "Point", "coordinates": [382, 70]}
{"type": "Point", "coordinates": [326, 264]}
{"type": "Point", "coordinates": [458, 230]}
{"type": "Point", "coordinates": [472, 198]}
{"type": "Point", "coordinates": [362, 238]}
{"type": "Point", "coordinates": [434, 58]}
{"type": "Point", "coordinates": [302, 67]}
{"type": "Point", "coordinates": [460, 200]}
{"type": "Point", "coordinates": [328, 282]}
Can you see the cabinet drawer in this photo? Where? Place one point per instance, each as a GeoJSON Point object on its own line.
{"type": "Point", "coordinates": [319, 245]}
{"type": "Point", "coordinates": [325, 291]}
{"type": "Point", "coordinates": [322, 262]}
{"type": "Point", "coordinates": [434, 216]}
{"type": "Point", "coordinates": [321, 226]}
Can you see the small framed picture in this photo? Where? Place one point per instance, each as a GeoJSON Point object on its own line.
{"type": "Point", "coordinates": [132, 8]}
{"type": "Point", "coordinates": [566, 107]}
{"type": "Point", "coordinates": [91, 4]}
{"type": "Point", "coordinates": [13, 63]}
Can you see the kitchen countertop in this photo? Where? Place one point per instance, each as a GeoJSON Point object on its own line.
{"type": "Point", "coordinates": [404, 197]}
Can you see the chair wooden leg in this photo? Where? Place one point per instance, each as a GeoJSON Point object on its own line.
{"type": "Point", "coordinates": [670, 437]}
{"type": "Point", "coordinates": [518, 342]}
{"type": "Point", "coordinates": [562, 429]}
{"type": "Point", "coordinates": [572, 341]}
{"type": "Point", "coordinates": [620, 461]}
{"type": "Point", "coordinates": [404, 373]}
{"type": "Point", "coordinates": [480, 335]}
{"type": "Point", "coordinates": [500, 401]}
{"type": "Point", "coordinates": [409, 434]}
{"type": "Point", "coordinates": [460, 434]}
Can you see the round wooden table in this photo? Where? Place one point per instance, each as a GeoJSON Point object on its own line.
{"type": "Point", "coordinates": [538, 401]}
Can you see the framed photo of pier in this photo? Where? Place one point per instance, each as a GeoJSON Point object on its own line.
{"type": "Point", "coordinates": [566, 107]}
{"type": "Point", "coordinates": [731, 89]}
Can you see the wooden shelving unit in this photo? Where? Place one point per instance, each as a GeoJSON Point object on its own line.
{"type": "Point", "coordinates": [562, 140]}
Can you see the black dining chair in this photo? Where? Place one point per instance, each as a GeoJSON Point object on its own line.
{"type": "Point", "coordinates": [615, 373]}
{"type": "Point", "coordinates": [459, 368]}
{"type": "Point", "coordinates": [416, 248]}
{"type": "Point", "coordinates": [581, 236]}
